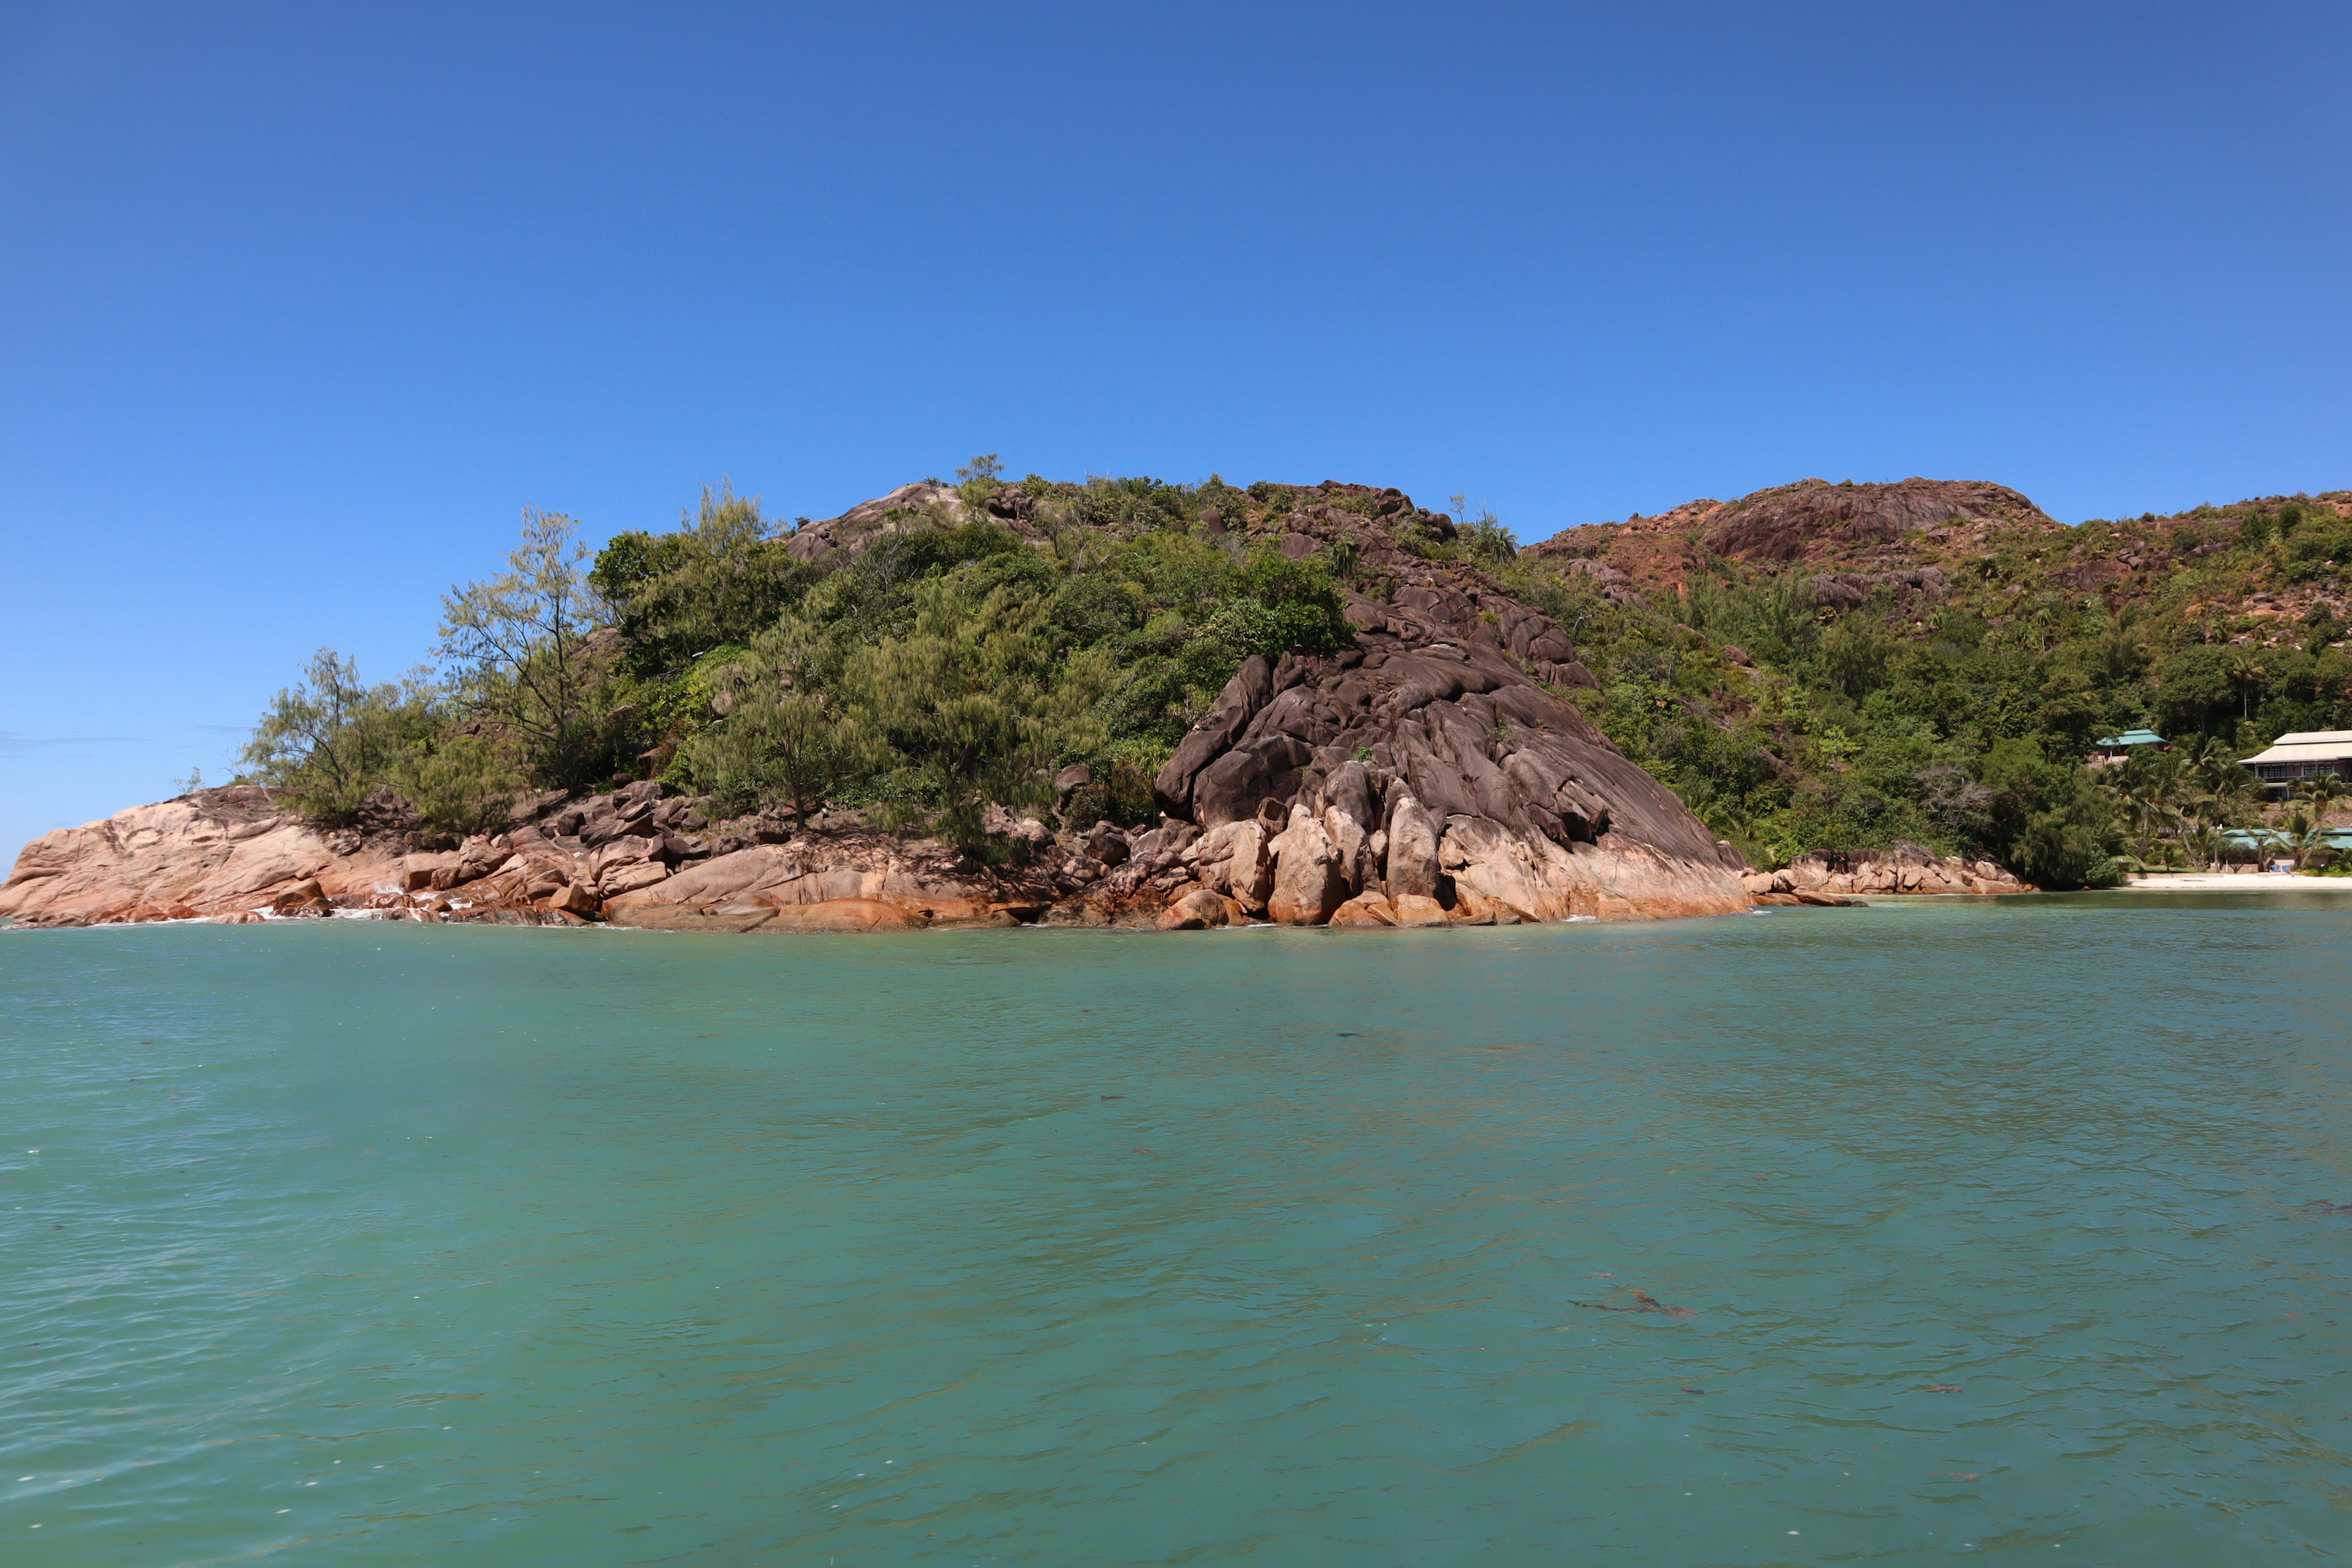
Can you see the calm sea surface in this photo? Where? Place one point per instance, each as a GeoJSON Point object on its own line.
{"type": "Point", "coordinates": [1974, 1230]}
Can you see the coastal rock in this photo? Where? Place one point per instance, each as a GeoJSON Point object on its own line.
{"type": "Point", "coordinates": [1309, 880]}
{"type": "Point", "coordinates": [926, 882]}
{"type": "Point", "coordinates": [1905, 868]}
{"type": "Point", "coordinates": [576, 900]}
{"type": "Point", "coordinates": [214, 852]}
{"type": "Point", "coordinates": [1107, 843]}
{"type": "Point", "coordinates": [731, 920]}
{"type": "Point", "coordinates": [1235, 860]}
{"type": "Point", "coordinates": [304, 895]}
{"type": "Point", "coordinates": [844, 915]}
{"type": "Point", "coordinates": [1197, 910]}
{"type": "Point", "coordinates": [1443, 723]}
{"type": "Point", "coordinates": [1411, 866]}
{"type": "Point", "coordinates": [1415, 909]}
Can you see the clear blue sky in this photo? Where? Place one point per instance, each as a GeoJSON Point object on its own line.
{"type": "Point", "coordinates": [301, 306]}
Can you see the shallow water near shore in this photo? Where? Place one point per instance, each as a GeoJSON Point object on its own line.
{"type": "Point", "coordinates": [1975, 1229]}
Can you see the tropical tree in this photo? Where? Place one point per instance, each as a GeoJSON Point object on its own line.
{"type": "Point", "coordinates": [786, 737]}
{"type": "Point", "coordinates": [333, 744]}
{"type": "Point", "coordinates": [722, 577]}
{"type": "Point", "coordinates": [2300, 835]}
{"type": "Point", "coordinates": [521, 652]}
{"type": "Point", "coordinates": [2324, 791]}
{"type": "Point", "coordinates": [331, 741]}
{"type": "Point", "coordinates": [974, 705]}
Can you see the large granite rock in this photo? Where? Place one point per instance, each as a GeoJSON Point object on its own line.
{"type": "Point", "coordinates": [1438, 759]}
{"type": "Point", "coordinates": [1903, 868]}
{"type": "Point", "coordinates": [205, 853]}
{"type": "Point", "coordinates": [927, 881]}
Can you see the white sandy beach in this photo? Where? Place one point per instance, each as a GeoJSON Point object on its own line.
{"type": "Point", "coordinates": [2235, 882]}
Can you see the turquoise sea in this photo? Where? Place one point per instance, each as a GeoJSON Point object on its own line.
{"type": "Point", "coordinates": [1974, 1230]}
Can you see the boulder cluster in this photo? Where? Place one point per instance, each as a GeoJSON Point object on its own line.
{"type": "Point", "coordinates": [1355, 846]}
{"type": "Point", "coordinates": [1827, 877]}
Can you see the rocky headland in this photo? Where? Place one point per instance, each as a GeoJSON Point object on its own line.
{"type": "Point", "coordinates": [1438, 772]}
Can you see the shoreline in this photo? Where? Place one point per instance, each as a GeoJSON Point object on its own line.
{"type": "Point", "coordinates": [2231, 882]}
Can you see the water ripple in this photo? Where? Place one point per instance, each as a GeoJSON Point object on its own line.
{"type": "Point", "coordinates": [1969, 1229]}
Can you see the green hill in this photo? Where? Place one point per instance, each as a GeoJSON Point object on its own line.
{"type": "Point", "coordinates": [1812, 666]}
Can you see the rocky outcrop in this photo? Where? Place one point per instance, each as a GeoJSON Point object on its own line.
{"type": "Point", "coordinates": [630, 857]}
{"type": "Point", "coordinates": [217, 850]}
{"type": "Point", "coordinates": [919, 505]}
{"type": "Point", "coordinates": [1783, 524]}
{"type": "Point", "coordinates": [1437, 759]}
{"type": "Point", "coordinates": [1909, 537]}
{"type": "Point", "coordinates": [1904, 868]}
{"type": "Point", "coordinates": [1436, 772]}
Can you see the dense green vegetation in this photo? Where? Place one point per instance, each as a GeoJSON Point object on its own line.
{"type": "Point", "coordinates": [960, 653]}
{"type": "Point", "coordinates": [945, 666]}
{"type": "Point", "coordinates": [1964, 725]}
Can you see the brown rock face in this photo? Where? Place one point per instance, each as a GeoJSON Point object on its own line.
{"type": "Point", "coordinates": [844, 915]}
{"type": "Point", "coordinates": [1365, 910]}
{"type": "Point", "coordinates": [212, 852]}
{"type": "Point", "coordinates": [1780, 524]}
{"type": "Point", "coordinates": [1196, 910]}
{"type": "Point", "coordinates": [1412, 910]}
{"type": "Point", "coordinates": [1309, 878]}
{"type": "Point", "coordinates": [1429, 760]}
{"type": "Point", "coordinates": [930, 883]}
{"type": "Point", "coordinates": [1904, 868]}
{"type": "Point", "coordinates": [907, 506]}
{"type": "Point", "coordinates": [1906, 536]}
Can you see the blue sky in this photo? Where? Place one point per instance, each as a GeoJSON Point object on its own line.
{"type": "Point", "coordinates": [300, 306]}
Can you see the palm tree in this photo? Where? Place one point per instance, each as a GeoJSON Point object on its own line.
{"type": "Point", "coordinates": [2303, 835]}
{"type": "Point", "coordinates": [2152, 811]}
{"type": "Point", "coordinates": [2324, 791]}
{"type": "Point", "coordinates": [2247, 670]}
{"type": "Point", "coordinates": [2220, 772]}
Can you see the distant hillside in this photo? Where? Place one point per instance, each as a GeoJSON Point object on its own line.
{"type": "Point", "coordinates": [1844, 665]}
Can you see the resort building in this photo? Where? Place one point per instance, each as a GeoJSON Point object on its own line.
{"type": "Point", "coordinates": [2112, 749]}
{"type": "Point", "coordinates": [2301, 754]}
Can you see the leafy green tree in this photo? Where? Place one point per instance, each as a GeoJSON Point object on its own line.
{"type": "Point", "coordinates": [2302, 836]}
{"type": "Point", "coordinates": [973, 704]}
{"type": "Point", "coordinates": [2324, 792]}
{"type": "Point", "coordinates": [1484, 540]}
{"type": "Point", "coordinates": [456, 783]}
{"type": "Point", "coordinates": [331, 741]}
{"type": "Point", "coordinates": [2195, 691]}
{"type": "Point", "coordinates": [2058, 826]}
{"type": "Point", "coordinates": [1856, 657]}
{"type": "Point", "coordinates": [977, 482]}
{"type": "Point", "coordinates": [786, 737]}
{"type": "Point", "coordinates": [520, 647]}
{"type": "Point", "coordinates": [722, 577]}
{"type": "Point", "coordinates": [1278, 605]}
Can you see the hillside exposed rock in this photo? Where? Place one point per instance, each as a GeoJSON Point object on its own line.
{"type": "Point", "coordinates": [919, 505]}
{"type": "Point", "coordinates": [1793, 521]}
{"type": "Point", "coordinates": [908, 506]}
{"type": "Point", "coordinates": [1879, 533]}
{"type": "Point", "coordinates": [1427, 759]}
